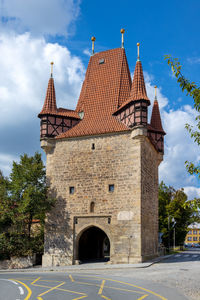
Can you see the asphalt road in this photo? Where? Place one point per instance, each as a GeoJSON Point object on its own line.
{"type": "Point", "coordinates": [149, 283]}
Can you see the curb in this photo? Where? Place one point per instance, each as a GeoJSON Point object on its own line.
{"type": "Point", "coordinates": [88, 268]}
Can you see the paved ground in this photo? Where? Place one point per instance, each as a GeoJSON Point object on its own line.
{"type": "Point", "coordinates": [176, 278]}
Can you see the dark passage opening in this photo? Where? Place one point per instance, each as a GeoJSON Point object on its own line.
{"type": "Point", "coordinates": [94, 245]}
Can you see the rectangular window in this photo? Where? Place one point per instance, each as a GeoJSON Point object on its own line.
{"type": "Point", "coordinates": [71, 189]}
{"type": "Point", "coordinates": [194, 231]}
{"type": "Point", "coordinates": [194, 238]}
{"type": "Point", "coordinates": [111, 188]}
{"type": "Point", "coordinates": [189, 238]}
{"type": "Point", "coordinates": [190, 232]}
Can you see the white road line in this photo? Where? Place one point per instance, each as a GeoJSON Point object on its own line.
{"type": "Point", "coordinates": [21, 290]}
{"type": "Point", "coordinates": [177, 255]}
{"type": "Point", "coordinates": [186, 255]}
{"type": "Point", "coordinates": [195, 255]}
{"type": "Point", "coordinates": [10, 281]}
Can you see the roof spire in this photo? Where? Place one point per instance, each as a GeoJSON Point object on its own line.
{"type": "Point", "coordinates": [155, 92]}
{"type": "Point", "coordinates": [122, 32]}
{"type": "Point", "coordinates": [156, 122]}
{"type": "Point", "coordinates": [50, 106]}
{"type": "Point", "coordinates": [93, 39]}
{"type": "Point", "coordinates": [52, 68]}
{"type": "Point", "coordinates": [138, 51]}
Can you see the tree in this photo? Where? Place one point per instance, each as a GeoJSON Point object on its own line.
{"type": "Point", "coordinates": [24, 197]}
{"type": "Point", "coordinates": [173, 204]}
{"type": "Point", "coordinates": [194, 91]}
{"type": "Point", "coordinates": [29, 191]}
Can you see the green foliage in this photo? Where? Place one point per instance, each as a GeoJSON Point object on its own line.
{"type": "Point", "coordinates": [193, 91]}
{"type": "Point", "coordinates": [23, 198]}
{"type": "Point", "coordinates": [173, 204]}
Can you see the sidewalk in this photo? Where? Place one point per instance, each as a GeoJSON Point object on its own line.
{"type": "Point", "coordinates": [89, 266]}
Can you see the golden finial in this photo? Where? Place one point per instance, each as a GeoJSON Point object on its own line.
{"type": "Point", "coordinates": [122, 32]}
{"type": "Point", "coordinates": [138, 51]}
{"type": "Point", "coordinates": [93, 39]}
{"type": "Point", "coordinates": [52, 68]}
{"type": "Point", "coordinates": [155, 92]}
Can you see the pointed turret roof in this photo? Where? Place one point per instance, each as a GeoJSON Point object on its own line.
{"type": "Point", "coordinates": [50, 106]}
{"type": "Point", "coordinates": [138, 89]}
{"type": "Point", "coordinates": [156, 123]}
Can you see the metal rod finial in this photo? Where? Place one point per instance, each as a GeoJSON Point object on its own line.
{"type": "Point", "coordinates": [138, 51]}
{"type": "Point", "coordinates": [52, 63]}
{"type": "Point", "coordinates": [122, 32]}
{"type": "Point", "coordinates": [93, 39]}
{"type": "Point", "coordinates": [155, 92]}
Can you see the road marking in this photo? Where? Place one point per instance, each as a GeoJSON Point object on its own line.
{"type": "Point", "coordinates": [177, 255]}
{"type": "Point", "coordinates": [186, 255]}
{"type": "Point", "coordinates": [21, 290]}
{"type": "Point", "coordinates": [39, 298]}
{"type": "Point", "coordinates": [10, 281]}
{"type": "Point", "coordinates": [60, 289]}
{"type": "Point", "coordinates": [130, 284]}
{"type": "Point", "coordinates": [143, 297]}
{"type": "Point", "coordinates": [105, 297]}
{"type": "Point", "coordinates": [70, 276]}
{"type": "Point", "coordinates": [26, 286]}
{"type": "Point", "coordinates": [101, 287]}
{"type": "Point", "coordinates": [80, 297]}
{"type": "Point", "coordinates": [194, 255]}
{"type": "Point", "coordinates": [35, 280]}
{"type": "Point", "coordinates": [53, 288]}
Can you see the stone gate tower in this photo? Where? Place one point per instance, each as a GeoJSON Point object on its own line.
{"type": "Point", "coordinates": [102, 166]}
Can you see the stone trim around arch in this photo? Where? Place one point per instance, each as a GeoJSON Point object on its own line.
{"type": "Point", "coordinates": [81, 230]}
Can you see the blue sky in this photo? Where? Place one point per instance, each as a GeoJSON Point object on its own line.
{"type": "Point", "coordinates": [35, 32]}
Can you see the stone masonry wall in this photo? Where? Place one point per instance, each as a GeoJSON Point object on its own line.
{"type": "Point", "coordinates": [116, 160]}
{"type": "Point", "coordinates": [149, 204]}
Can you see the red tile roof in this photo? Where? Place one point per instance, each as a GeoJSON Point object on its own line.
{"type": "Point", "coordinates": [67, 113]}
{"type": "Point", "coordinates": [156, 123]}
{"type": "Point", "coordinates": [107, 85]}
{"type": "Point", "coordinates": [50, 107]}
{"type": "Point", "coordinates": [50, 100]}
{"type": "Point", "coordinates": [138, 89]}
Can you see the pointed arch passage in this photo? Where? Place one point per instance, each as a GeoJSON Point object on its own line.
{"type": "Point", "coordinates": [94, 245]}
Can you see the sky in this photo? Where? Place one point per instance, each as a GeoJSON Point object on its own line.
{"type": "Point", "coordinates": [35, 32]}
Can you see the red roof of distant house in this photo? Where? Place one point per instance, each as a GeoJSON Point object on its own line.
{"type": "Point", "coordinates": [107, 85]}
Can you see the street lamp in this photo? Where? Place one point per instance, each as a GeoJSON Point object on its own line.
{"type": "Point", "coordinates": [173, 220]}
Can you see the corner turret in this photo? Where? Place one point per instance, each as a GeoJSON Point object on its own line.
{"type": "Point", "coordinates": [155, 130]}
{"type": "Point", "coordinates": [55, 120]}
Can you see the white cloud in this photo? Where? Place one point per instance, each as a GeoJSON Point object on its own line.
{"type": "Point", "coordinates": [179, 147]}
{"type": "Point", "coordinates": [38, 16]}
{"type": "Point", "coordinates": [87, 52]}
{"type": "Point", "coordinates": [6, 161]}
{"type": "Point", "coordinates": [192, 192]}
{"type": "Point", "coordinates": [25, 69]}
{"type": "Point", "coordinates": [162, 100]}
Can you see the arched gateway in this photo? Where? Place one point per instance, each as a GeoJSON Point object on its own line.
{"type": "Point", "coordinates": [93, 245]}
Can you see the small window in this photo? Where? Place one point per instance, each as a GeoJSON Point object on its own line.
{"type": "Point", "coordinates": [189, 238]}
{"type": "Point", "coordinates": [92, 207]}
{"type": "Point", "coordinates": [71, 190]}
{"type": "Point", "coordinates": [111, 188]}
{"type": "Point", "coordinates": [194, 231]}
{"type": "Point", "coordinates": [93, 146]}
{"type": "Point", "coordinates": [195, 238]}
{"type": "Point", "coordinates": [101, 61]}
{"type": "Point", "coordinates": [190, 232]}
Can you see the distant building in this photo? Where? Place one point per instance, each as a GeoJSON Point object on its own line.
{"type": "Point", "coordinates": [193, 235]}
{"type": "Point", "coordinates": [102, 166]}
